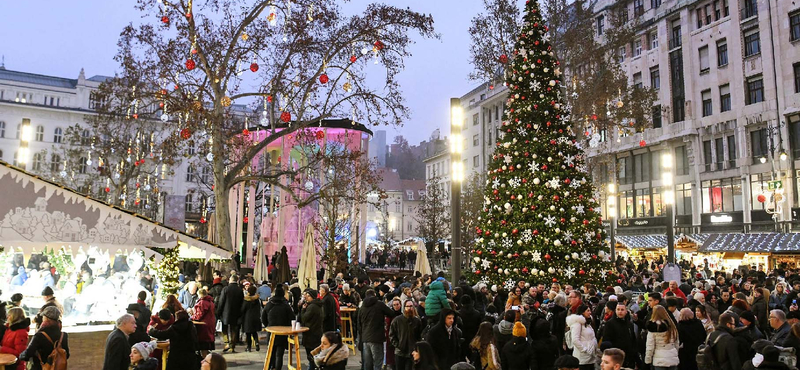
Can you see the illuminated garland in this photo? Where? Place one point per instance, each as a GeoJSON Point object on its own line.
{"type": "Point", "coordinates": [167, 272]}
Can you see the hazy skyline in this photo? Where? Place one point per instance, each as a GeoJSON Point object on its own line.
{"type": "Point", "coordinates": [59, 38]}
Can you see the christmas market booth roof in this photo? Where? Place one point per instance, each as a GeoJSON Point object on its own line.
{"type": "Point", "coordinates": [752, 243]}
{"type": "Point", "coordinates": [656, 241]}
{"type": "Point", "coordinates": [36, 213]}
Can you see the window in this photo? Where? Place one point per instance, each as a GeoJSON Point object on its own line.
{"type": "Point", "coordinates": [675, 41]}
{"type": "Point", "coordinates": [38, 161]}
{"type": "Point", "coordinates": [755, 90]}
{"type": "Point", "coordinates": [206, 175]}
{"type": "Point", "coordinates": [637, 48]}
{"type": "Point", "coordinates": [55, 163]}
{"type": "Point", "coordinates": [626, 200]}
{"type": "Point", "coordinates": [731, 151]}
{"type": "Point", "coordinates": [751, 43]}
{"type": "Point", "coordinates": [681, 161]}
{"type": "Point", "coordinates": [725, 8]}
{"type": "Point", "coordinates": [720, 152]}
{"type": "Point", "coordinates": [1, 155]}
{"type": "Point", "coordinates": [750, 9]}
{"type": "Point", "coordinates": [758, 144]}
{"type": "Point", "coordinates": [190, 174]}
{"type": "Point", "coordinates": [794, 26]}
{"type": "Point", "coordinates": [476, 161]}
{"type": "Point", "coordinates": [410, 194]}
{"type": "Point", "coordinates": [496, 112]}
{"type": "Point", "coordinates": [704, 65]}
{"type": "Point", "coordinates": [86, 137]}
{"type": "Point", "coordinates": [706, 97]}
{"type": "Point", "coordinates": [397, 207]}
{"type": "Point", "coordinates": [643, 203]}
{"type": "Point", "coordinates": [601, 20]}
{"type": "Point", "coordinates": [19, 127]}
{"type": "Point", "coordinates": [638, 7]}
{"type": "Point", "coordinates": [717, 11]}
{"type": "Point", "coordinates": [57, 135]}
{"type": "Point", "coordinates": [39, 133]}
{"type": "Point", "coordinates": [655, 4]}
{"type": "Point", "coordinates": [653, 39]}
{"type": "Point", "coordinates": [657, 116]}
{"type": "Point", "coordinates": [625, 170]}
{"type": "Point", "coordinates": [622, 52]}
{"type": "Point", "coordinates": [658, 202]}
{"type": "Point", "coordinates": [707, 160]}
{"type": "Point", "coordinates": [475, 141]}
{"type": "Point", "coordinates": [723, 195]}
{"type": "Point", "coordinates": [655, 78]}
{"type": "Point", "coordinates": [708, 14]}
{"type": "Point", "coordinates": [489, 138]}
{"type": "Point", "coordinates": [82, 165]}
{"type": "Point", "coordinates": [722, 53]}
{"type": "Point", "coordinates": [188, 204]}
{"type": "Point", "coordinates": [3, 127]}
{"type": "Point", "coordinates": [759, 184]}
{"type": "Point", "coordinates": [795, 67]}
{"type": "Point", "coordinates": [683, 199]}
{"type": "Point", "coordinates": [699, 16]}
{"type": "Point", "coordinates": [641, 167]}
{"type": "Point", "coordinates": [725, 98]}
{"type": "Point", "coordinates": [16, 158]}
{"type": "Point", "coordinates": [637, 80]}
{"type": "Point", "coordinates": [655, 164]}
{"type": "Point", "coordinates": [475, 119]}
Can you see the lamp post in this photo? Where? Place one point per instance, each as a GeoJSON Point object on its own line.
{"type": "Point", "coordinates": [611, 203]}
{"type": "Point", "coordinates": [669, 201]}
{"type": "Point", "coordinates": [24, 138]}
{"type": "Point", "coordinates": [456, 176]}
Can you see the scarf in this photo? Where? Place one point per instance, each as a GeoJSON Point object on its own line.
{"type": "Point", "coordinates": [217, 281]}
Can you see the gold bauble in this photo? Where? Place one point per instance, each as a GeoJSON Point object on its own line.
{"type": "Point", "coordinates": [347, 86]}
{"type": "Point", "coordinates": [244, 36]}
{"type": "Point", "coordinates": [226, 101]}
{"type": "Point", "coordinates": [620, 104]}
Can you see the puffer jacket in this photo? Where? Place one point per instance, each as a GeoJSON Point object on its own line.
{"type": "Point", "coordinates": [251, 314]}
{"type": "Point", "coordinates": [15, 341]}
{"type": "Point", "coordinates": [436, 300]}
{"type": "Point", "coordinates": [658, 351]}
{"type": "Point", "coordinates": [584, 342]}
{"type": "Point", "coordinates": [204, 311]}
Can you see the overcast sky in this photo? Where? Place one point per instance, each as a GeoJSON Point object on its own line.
{"type": "Point", "coordinates": [60, 37]}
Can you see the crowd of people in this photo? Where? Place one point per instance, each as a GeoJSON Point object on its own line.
{"type": "Point", "coordinates": [398, 257]}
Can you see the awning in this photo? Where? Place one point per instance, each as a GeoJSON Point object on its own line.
{"type": "Point", "coordinates": [752, 243]}
{"type": "Point", "coordinates": [37, 213]}
{"type": "Point", "coordinates": [656, 241]}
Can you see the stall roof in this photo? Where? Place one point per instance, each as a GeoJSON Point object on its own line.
{"type": "Point", "coordinates": [37, 213]}
{"type": "Point", "coordinates": [752, 243]}
{"type": "Point", "coordinates": [654, 241]}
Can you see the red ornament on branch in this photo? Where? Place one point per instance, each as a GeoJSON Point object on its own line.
{"type": "Point", "coordinates": [165, 19]}
{"type": "Point", "coordinates": [203, 220]}
{"type": "Point", "coordinates": [186, 133]}
{"type": "Point", "coordinates": [504, 59]}
{"type": "Point", "coordinates": [246, 132]}
{"type": "Point", "coordinates": [761, 198]}
{"type": "Point", "coordinates": [379, 45]}
{"type": "Point", "coordinates": [107, 189]}
{"type": "Point", "coordinates": [190, 64]}
{"type": "Point", "coordinates": [254, 67]}
{"type": "Point", "coordinates": [642, 143]}
{"type": "Point", "coordinates": [323, 78]}
{"type": "Point", "coordinates": [245, 219]}
{"type": "Point", "coordinates": [353, 59]}
{"type": "Point", "coordinates": [320, 135]}
{"type": "Point", "coordinates": [286, 117]}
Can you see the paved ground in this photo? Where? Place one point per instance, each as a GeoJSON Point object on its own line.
{"type": "Point", "coordinates": [255, 360]}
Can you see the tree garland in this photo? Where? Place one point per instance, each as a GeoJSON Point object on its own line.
{"type": "Point", "coordinates": [167, 272]}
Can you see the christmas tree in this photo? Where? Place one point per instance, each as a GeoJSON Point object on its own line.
{"type": "Point", "coordinates": [541, 218]}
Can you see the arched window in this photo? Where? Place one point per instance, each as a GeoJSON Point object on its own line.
{"type": "Point", "coordinates": [55, 163]}
{"type": "Point", "coordinates": [82, 165]}
{"type": "Point", "coordinates": [57, 135]}
{"type": "Point", "coordinates": [16, 158]}
{"type": "Point", "coordinates": [39, 133]}
{"type": "Point", "coordinates": [190, 174]}
{"type": "Point", "coordinates": [2, 129]}
{"type": "Point", "coordinates": [38, 161]}
{"type": "Point", "coordinates": [188, 204]}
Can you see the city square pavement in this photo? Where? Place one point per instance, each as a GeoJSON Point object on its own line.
{"type": "Point", "coordinates": [255, 360]}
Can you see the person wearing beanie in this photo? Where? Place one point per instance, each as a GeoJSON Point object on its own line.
{"type": "Point", "coordinates": [16, 300]}
{"type": "Point", "coordinates": [749, 331]}
{"type": "Point", "coordinates": [277, 312]}
{"type": "Point", "coordinates": [516, 354]}
{"type": "Point", "coordinates": [140, 356]}
{"type": "Point", "coordinates": [40, 346]}
{"type": "Point", "coordinates": [311, 316]}
{"type": "Point", "coordinates": [49, 301]}
{"type": "Point", "coordinates": [567, 362]}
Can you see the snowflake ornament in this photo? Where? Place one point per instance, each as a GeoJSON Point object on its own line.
{"type": "Point", "coordinates": [549, 221]}
{"type": "Point", "coordinates": [570, 272]}
{"type": "Point", "coordinates": [575, 184]}
{"type": "Point", "coordinates": [554, 183]}
{"type": "Point", "coordinates": [522, 131]}
{"type": "Point", "coordinates": [585, 256]}
{"type": "Point", "coordinates": [533, 167]}
{"type": "Point", "coordinates": [485, 280]}
{"type": "Point", "coordinates": [509, 284]}
{"type": "Point", "coordinates": [507, 159]}
{"type": "Point", "coordinates": [536, 85]}
{"type": "Point", "coordinates": [527, 235]}
{"type": "Point", "coordinates": [507, 243]}
{"type": "Point", "coordinates": [579, 209]}
{"type": "Point", "coordinates": [486, 264]}
{"type": "Point", "coordinates": [546, 37]}
{"type": "Point", "coordinates": [537, 257]}
{"type": "Point", "coordinates": [495, 183]}
{"type": "Point", "coordinates": [568, 235]}
{"type": "Point", "coordinates": [569, 160]}
{"type": "Point", "coordinates": [514, 182]}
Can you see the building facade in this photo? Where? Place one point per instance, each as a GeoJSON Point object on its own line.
{"type": "Point", "coordinates": [395, 215]}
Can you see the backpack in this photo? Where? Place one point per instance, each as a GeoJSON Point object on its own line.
{"type": "Point", "coordinates": [705, 355]}
{"type": "Point", "coordinates": [57, 360]}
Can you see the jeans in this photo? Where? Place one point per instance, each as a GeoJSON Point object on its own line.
{"type": "Point", "coordinates": [230, 335]}
{"type": "Point", "coordinates": [373, 356]}
{"type": "Point", "coordinates": [276, 361]}
{"type": "Point", "coordinates": [402, 362]}
{"type": "Point", "coordinates": [311, 364]}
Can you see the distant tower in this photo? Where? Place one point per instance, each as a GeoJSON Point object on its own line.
{"type": "Point", "coordinates": [377, 147]}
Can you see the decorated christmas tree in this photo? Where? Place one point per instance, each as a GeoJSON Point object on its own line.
{"type": "Point", "coordinates": [541, 219]}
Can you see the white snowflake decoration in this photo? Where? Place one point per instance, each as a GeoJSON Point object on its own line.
{"type": "Point", "coordinates": [570, 272]}
{"type": "Point", "coordinates": [522, 131]}
{"type": "Point", "coordinates": [549, 221]}
{"type": "Point", "coordinates": [507, 243]}
{"type": "Point", "coordinates": [589, 235]}
{"type": "Point", "coordinates": [579, 209]}
{"type": "Point", "coordinates": [533, 167]}
{"type": "Point", "coordinates": [486, 264]}
{"type": "Point", "coordinates": [563, 140]}
{"type": "Point", "coordinates": [536, 85]}
{"type": "Point", "coordinates": [492, 244]}
{"type": "Point", "coordinates": [527, 235]}
{"type": "Point", "coordinates": [546, 37]}
{"type": "Point", "coordinates": [514, 182]}
{"type": "Point", "coordinates": [568, 235]}
{"type": "Point", "coordinates": [495, 183]}
{"type": "Point", "coordinates": [554, 183]}
{"type": "Point", "coordinates": [509, 284]}
{"type": "Point", "coordinates": [537, 257]}
{"type": "Point", "coordinates": [569, 160]}
{"type": "Point", "coordinates": [575, 184]}
{"type": "Point", "coordinates": [508, 159]}
{"type": "Point", "coordinates": [485, 280]}
{"type": "Point", "coordinates": [585, 256]}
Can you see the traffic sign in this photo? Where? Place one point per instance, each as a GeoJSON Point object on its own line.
{"type": "Point", "coordinates": [775, 185]}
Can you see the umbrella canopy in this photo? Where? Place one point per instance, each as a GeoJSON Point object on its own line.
{"type": "Point", "coordinates": [422, 264]}
{"type": "Point", "coordinates": [307, 272]}
{"type": "Point", "coordinates": [261, 272]}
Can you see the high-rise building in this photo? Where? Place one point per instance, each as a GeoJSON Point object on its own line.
{"type": "Point", "coordinates": [377, 147]}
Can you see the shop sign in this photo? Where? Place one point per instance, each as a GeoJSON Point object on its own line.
{"type": "Point", "coordinates": [721, 218]}
{"type": "Point", "coordinates": [641, 222]}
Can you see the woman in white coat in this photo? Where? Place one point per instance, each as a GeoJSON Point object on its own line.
{"type": "Point", "coordinates": [581, 337]}
{"type": "Point", "coordinates": [662, 341]}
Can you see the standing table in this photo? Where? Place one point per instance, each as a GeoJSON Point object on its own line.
{"type": "Point", "coordinates": [293, 335]}
{"type": "Point", "coordinates": [164, 347]}
{"type": "Point", "coordinates": [348, 334]}
{"type": "Point", "coordinates": [7, 359]}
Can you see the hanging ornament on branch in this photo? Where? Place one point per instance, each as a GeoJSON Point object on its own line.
{"type": "Point", "coordinates": [190, 63]}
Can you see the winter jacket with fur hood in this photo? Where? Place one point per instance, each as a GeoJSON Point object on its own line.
{"type": "Point", "coordinates": [658, 351]}
{"type": "Point", "coordinates": [584, 342]}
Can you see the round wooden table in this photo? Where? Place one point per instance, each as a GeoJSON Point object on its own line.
{"type": "Point", "coordinates": [164, 347]}
{"type": "Point", "coordinates": [348, 331]}
{"type": "Point", "coordinates": [293, 335]}
{"type": "Point", "coordinates": [7, 359]}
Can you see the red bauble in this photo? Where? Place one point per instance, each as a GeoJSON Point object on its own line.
{"type": "Point", "coordinates": [203, 220]}
{"type": "Point", "coordinates": [246, 132]}
{"type": "Point", "coordinates": [286, 117]}
{"type": "Point", "coordinates": [761, 198]}
{"type": "Point", "coordinates": [495, 191]}
{"type": "Point", "coordinates": [619, 281]}
{"type": "Point", "coordinates": [135, 116]}
{"type": "Point", "coordinates": [254, 67]}
{"type": "Point", "coordinates": [190, 64]}
{"type": "Point", "coordinates": [594, 117]}
{"type": "Point", "coordinates": [186, 133]}
{"type": "Point", "coordinates": [107, 189]}
{"type": "Point", "coordinates": [504, 59]}
{"type": "Point", "coordinates": [555, 280]}
{"type": "Point", "coordinates": [563, 220]}
{"type": "Point", "coordinates": [194, 51]}
{"type": "Point", "coordinates": [544, 167]}
{"type": "Point", "coordinates": [581, 272]}
{"type": "Point", "coordinates": [480, 252]}
{"type": "Point", "coordinates": [379, 45]}
{"type": "Point", "coordinates": [515, 231]}
{"type": "Point", "coordinates": [491, 87]}
{"type": "Point", "coordinates": [535, 232]}
{"type": "Point", "coordinates": [165, 19]}
{"type": "Point", "coordinates": [524, 270]}
{"type": "Point", "coordinates": [585, 222]}
{"type": "Point", "coordinates": [555, 198]}
{"type": "Point", "coordinates": [574, 242]}
{"type": "Point", "coordinates": [594, 256]}
{"type": "Point", "coordinates": [319, 135]}
{"type": "Point", "coordinates": [642, 143]}
{"type": "Point", "coordinates": [245, 219]}
{"type": "Point", "coordinates": [477, 272]}
{"type": "Point", "coordinates": [323, 78]}
{"type": "Point", "coordinates": [547, 256]}
{"type": "Point", "coordinates": [353, 59]}
{"type": "Point", "coordinates": [269, 98]}
{"type": "Point", "coordinates": [567, 181]}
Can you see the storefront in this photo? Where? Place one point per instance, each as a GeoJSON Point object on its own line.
{"type": "Point", "coordinates": [759, 251]}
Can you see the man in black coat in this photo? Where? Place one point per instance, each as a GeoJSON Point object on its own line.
{"type": "Point", "coordinates": [229, 311]}
{"type": "Point", "coordinates": [216, 287]}
{"type": "Point", "coordinates": [329, 324]}
{"type": "Point", "coordinates": [118, 350]}
{"type": "Point", "coordinates": [144, 311]}
{"type": "Point", "coordinates": [278, 312]}
{"type": "Point", "coordinates": [470, 318]}
{"type": "Point", "coordinates": [724, 345]}
{"type": "Point", "coordinates": [311, 315]}
{"type": "Point", "coordinates": [445, 338]}
{"type": "Point", "coordinates": [620, 333]}
{"type": "Point", "coordinates": [140, 335]}
{"type": "Point", "coordinates": [371, 329]}
{"type": "Point", "coordinates": [404, 333]}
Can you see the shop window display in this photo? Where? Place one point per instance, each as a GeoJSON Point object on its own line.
{"type": "Point", "coordinates": [724, 195]}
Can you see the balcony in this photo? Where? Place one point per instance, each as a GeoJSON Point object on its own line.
{"type": "Point", "coordinates": [749, 12]}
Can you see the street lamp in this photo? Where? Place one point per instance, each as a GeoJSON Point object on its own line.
{"type": "Point", "coordinates": [456, 177]}
{"type": "Point", "coordinates": [25, 137]}
{"type": "Point", "coordinates": [611, 202]}
{"type": "Point", "coordinates": [763, 160]}
{"type": "Point", "coordinates": [669, 201]}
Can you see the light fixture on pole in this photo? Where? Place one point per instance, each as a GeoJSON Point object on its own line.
{"type": "Point", "coordinates": [669, 202]}
{"type": "Point", "coordinates": [784, 156]}
{"type": "Point", "coordinates": [25, 136]}
{"type": "Point", "coordinates": [763, 160]}
{"type": "Point", "coordinates": [611, 203]}
{"type": "Point", "coordinates": [456, 177]}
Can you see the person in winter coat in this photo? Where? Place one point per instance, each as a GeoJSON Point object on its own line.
{"type": "Point", "coordinates": [49, 301]}
{"type": "Point", "coordinates": [582, 337]}
{"type": "Point", "coordinates": [749, 332]}
{"type": "Point", "coordinates": [329, 303]}
{"type": "Point", "coordinates": [692, 334]}
{"type": "Point", "coordinates": [767, 359]}
{"type": "Point", "coordinates": [620, 333]}
{"type": "Point", "coordinates": [332, 353]}
{"type": "Point", "coordinates": [140, 356]}
{"type": "Point", "coordinates": [15, 338]}
{"type": "Point", "coordinates": [278, 312]}
{"type": "Point", "coordinates": [251, 317]}
{"type": "Point", "coordinates": [162, 321]}
{"type": "Point", "coordinates": [470, 318]}
{"type": "Point", "coordinates": [782, 330]}
{"type": "Point", "coordinates": [229, 311]}
{"type": "Point", "coordinates": [760, 308]}
{"type": "Point", "coordinates": [45, 338]}
{"type": "Point", "coordinates": [445, 338]}
{"type": "Point", "coordinates": [724, 345]}
{"type": "Point", "coordinates": [483, 345]}
{"type": "Point", "coordinates": [204, 312]}
{"type": "Point", "coordinates": [140, 335]}
{"type": "Point", "coordinates": [423, 357]}
{"type": "Point", "coordinates": [404, 332]}
{"type": "Point", "coordinates": [543, 347]}
{"type": "Point", "coordinates": [516, 355]}
{"type": "Point", "coordinates": [436, 300]}
{"type": "Point", "coordinates": [700, 314]}
{"type": "Point", "coordinates": [183, 344]}
{"type": "Point", "coordinates": [311, 316]}
{"type": "Point", "coordinates": [371, 323]}
{"type": "Point", "coordinates": [557, 317]}
{"type": "Point", "coordinates": [216, 287]}
{"type": "Point", "coordinates": [662, 341]}
{"type": "Point", "coordinates": [778, 298]}
{"type": "Point", "coordinates": [503, 331]}
{"type": "Point", "coordinates": [117, 353]}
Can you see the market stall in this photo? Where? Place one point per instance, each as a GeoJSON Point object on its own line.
{"type": "Point", "coordinates": [760, 251]}
{"type": "Point", "coordinates": [652, 246]}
